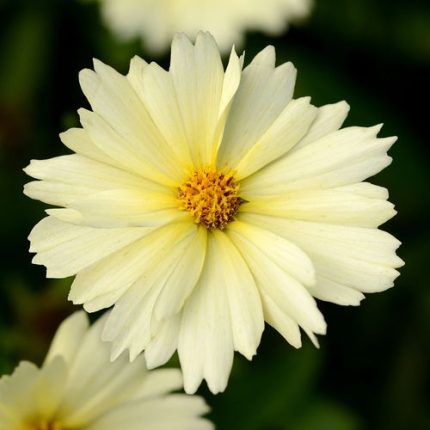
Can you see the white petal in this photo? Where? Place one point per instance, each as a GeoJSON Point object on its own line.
{"type": "Point", "coordinates": [280, 321]}
{"type": "Point", "coordinates": [183, 278]}
{"type": "Point", "coordinates": [262, 95]}
{"type": "Point", "coordinates": [290, 126]}
{"type": "Point", "coordinates": [329, 119]}
{"type": "Point", "coordinates": [113, 98]}
{"type": "Point", "coordinates": [231, 82]}
{"type": "Point", "coordinates": [68, 337]}
{"type": "Point", "coordinates": [121, 208]}
{"type": "Point", "coordinates": [157, 92]}
{"type": "Point", "coordinates": [71, 177]}
{"type": "Point", "coordinates": [173, 412]}
{"type": "Point", "coordinates": [130, 322]}
{"type": "Point", "coordinates": [205, 345]}
{"type": "Point", "coordinates": [135, 73]}
{"type": "Point", "coordinates": [159, 383]}
{"type": "Point", "coordinates": [125, 154]}
{"type": "Point", "coordinates": [344, 157]}
{"type": "Point", "coordinates": [66, 249]}
{"type": "Point", "coordinates": [164, 343]}
{"type": "Point", "coordinates": [197, 75]}
{"type": "Point", "coordinates": [96, 385]}
{"type": "Point", "coordinates": [282, 252]}
{"type": "Point", "coordinates": [334, 206]}
{"type": "Point", "coordinates": [272, 277]}
{"type": "Point", "coordinates": [120, 270]}
{"type": "Point", "coordinates": [360, 258]}
{"type": "Point", "coordinates": [247, 322]}
{"type": "Point", "coordinates": [332, 291]}
{"type": "Point", "coordinates": [79, 141]}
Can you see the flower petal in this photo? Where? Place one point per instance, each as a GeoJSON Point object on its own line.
{"type": "Point", "coordinates": [360, 258]}
{"type": "Point", "coordinates": [121, 269]}
{"type": "Point", "coordinates": [145, 271]}
{"type": "Point", "coordinates": [68, 338]}
{"type": "Point", "coordinates": [86, 396]}
{"type": "Point", "coordinates": [163, 343]}
{"type": "Point", "coordinates": [329, 119]}
{"type": "Point", "coordinates": [334, 206]}
{"type": "Point", "coordinates": [157, 92]}
{"type": "Point", "coordinates": [262, 95]}
{"type": "Point", "coordinates": [197, 75]}
{"type": "Point", "coordinates": [65, 249]}
{"type": "Point", "coordinates": [205, 345]}
{"type": "Point", "coordinates": [282, 252]}
{"type": "Point", "coordinates": [272, 277]}
{"type": "Point", "coordinates": [121, 208]}
{"type": "Point", "coordinates": [290, 126]}
{"type": "Point", "coordinates": [184, 275]}
{"type": "Point", "coordinates": [344, 157]}
{"type": "Point", "coordinates": [244, 302]}
{"type": "Point", "coordinates": [71, 177]}
{"type": "Point", "coordinates": [173, 412]}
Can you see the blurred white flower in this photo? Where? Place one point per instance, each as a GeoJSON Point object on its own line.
{"type": "Point", "coordinates": [202, 202]}
{"type": "Point", "coordinates": [156, 21]}
{"type": "Point", "coordinates": [78, 388]}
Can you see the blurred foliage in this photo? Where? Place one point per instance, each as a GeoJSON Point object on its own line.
{"type": "Point", "coordinates": [372, 370]}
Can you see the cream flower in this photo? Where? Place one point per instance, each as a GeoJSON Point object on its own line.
{"type": "Point", "coordinates": [202, 202]}
{"type": "Point", "coordinates": [78, 388]}
{"type": "Point", "coordinates": [157, 21]}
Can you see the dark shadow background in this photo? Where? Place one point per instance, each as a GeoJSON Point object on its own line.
{"type": "Point", "coordinates": [372, 370]}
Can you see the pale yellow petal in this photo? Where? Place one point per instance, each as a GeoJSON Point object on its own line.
{"type": "Point", "coordinates": [262, 95]}
{"type": "Point", "coordinates": [146, 270]}
{"type": "Point", "coordinates": [333, 206]}
{"type": "Point", "coordinates": [290, 126]}
{"type": "Point", "coordinates": [173, 412]}
{"type": "Point", "coordinates": [197, 75]}
{"type": "Point", "coordinates": [121, 208]}
{"type": "Point", "coordinates": [68, 338]}
{"type": "Point", "coordinates": [205, 345]}
{"type": "Point", "coordinates": [121, 269]}
{"type": "Point", "coordinates": [344, 157]}
{"type": "Point", "coordinates": [360, 258]}
{"type": "Point", "coordinates": [65, 249]}
{"type": "Point", "coordinates": [272, 277]}
{"type": "Point", "coordinates": [157, 92]}
{"type": "Point", "coordinates": [163, 343]}
{"type": "Point", "coordinates": [71, 177]}
{"type": "Point", "coordinates": [184, 275]}
{"type": "Point", "coordinates": [329, 119]}
{"type": "Point", "coordinates": [246, 316]}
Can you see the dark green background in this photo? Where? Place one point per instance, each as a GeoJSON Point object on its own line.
{"type": "Point", "coordinates": [372, 370]}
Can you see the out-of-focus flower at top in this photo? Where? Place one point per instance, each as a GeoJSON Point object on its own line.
{"type": "Point", "coordinates": [157, 21]}
{"type": "Point", "coordinates": [202, 202]}
{"type": "Point", "coordinates": [79, 388]}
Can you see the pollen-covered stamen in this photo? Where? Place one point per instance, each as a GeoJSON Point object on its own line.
{"type": "Point", "coordinates": [211, 196]}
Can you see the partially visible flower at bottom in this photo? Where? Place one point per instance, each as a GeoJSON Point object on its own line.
{"type": "Point", "coordinates": [78, 388]}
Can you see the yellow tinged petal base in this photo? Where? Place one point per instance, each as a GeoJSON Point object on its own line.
{"type": "Point", "coordinates": [44, 425]}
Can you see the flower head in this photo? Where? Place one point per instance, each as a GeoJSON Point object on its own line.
{"type": "Point", "coordinates": [157, 21]}
{"type": "Point", "coordinates": [78, 388]}
{"type": "Point", "coordinates": [202, 202]}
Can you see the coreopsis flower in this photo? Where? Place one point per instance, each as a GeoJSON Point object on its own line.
{"type": "Point", "coordinates": [78, 388]}
{"type": "Point", "coordinates": [202, 202]}
{"type": "Point", "coordinates": [155, 22]}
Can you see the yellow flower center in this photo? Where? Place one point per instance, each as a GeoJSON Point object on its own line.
{"type": "Point", "coordinates": [211, 196]}
{"type": "Point", "coordinates": [46, 425]}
